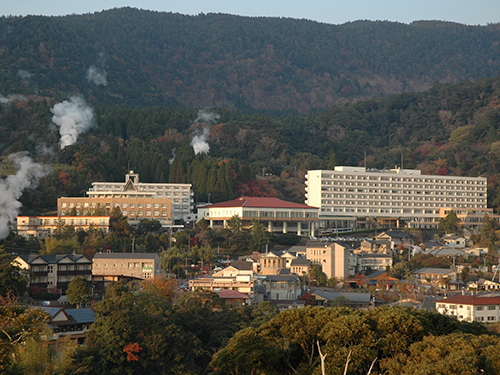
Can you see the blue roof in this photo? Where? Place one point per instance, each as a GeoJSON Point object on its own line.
{"type": "Point", "coordinates": [85, 315]}
{"type": "Point", "coordinates": [52, 311]}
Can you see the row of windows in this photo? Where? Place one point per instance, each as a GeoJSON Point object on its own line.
{"type": "Point", "coordinates": [406, 179]}
{"type": "Point", "coordinates": [123, 205]}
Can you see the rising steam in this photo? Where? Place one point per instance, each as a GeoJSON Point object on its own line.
{"type": "Point", "coordinates": [97, 76]}
{"type": "Point", "coordinates": [73, 117]}
{"type": "Point", "coordinates": [206, 119]}
{"type": "Point", "coordinates": [27, 177]}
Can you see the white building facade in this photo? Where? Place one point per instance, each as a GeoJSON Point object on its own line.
{"type": "Point", "coordinates": [348, 193]}
{"type": "Point", "coordinates": [471, 308]}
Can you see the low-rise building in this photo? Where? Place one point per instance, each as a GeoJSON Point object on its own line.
{"type": "Point", "coordinates": [108, 266]}
{"type": "Point", "coordinates": [471, 308]}
{"type": "Point", "coordinates": [43, 227]}
{"type": "Point", "coordinates": [55, 272]}
{"type": "Point", "coordinates": [74, 323]}
{"type": "Point", "coordinates": [282, 287]}
{"type": "Point", "coordinates": [276, 215]}
{"type": "Point", "coordinates": [373, 261]}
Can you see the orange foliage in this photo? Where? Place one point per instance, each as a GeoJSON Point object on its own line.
{"type": "Point", "coordinates": [130, 349]}
{"type": "Point", "coordinates": [165, 287]}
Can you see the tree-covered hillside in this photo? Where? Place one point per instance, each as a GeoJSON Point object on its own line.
{"type": "Point", "coordinates": [449, 129]}
{"type": "Point", "coordinates": [140, 58]}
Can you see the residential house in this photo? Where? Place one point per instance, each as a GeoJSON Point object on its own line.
{"type": "Point", "coordinates": [234, 298]}
{"type": "Point", "coordinates": [282, 287]}
{"type": "Point", "coordinates": [74, 323]}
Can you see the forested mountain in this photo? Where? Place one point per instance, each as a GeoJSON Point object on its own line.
{"type": "Point", "coordinates": [141, 58]}
{"type": "Point", "coordinates": [449, 129]}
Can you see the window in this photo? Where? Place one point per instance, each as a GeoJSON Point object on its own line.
{"type": "Point", "coordinates": [479, 308]}
{"type": "Point", "coordinates": [140, 205]}
{"type": "Point", "coordinates": [148, 213]}
{"type": "Point", "coordinates": [148, 205]}
{"type": "Point", "coordinates": [157, 205]}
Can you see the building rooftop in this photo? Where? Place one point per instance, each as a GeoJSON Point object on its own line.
{"type": "Point", "coordinates": [471, 300]}
{"type": "Point", "coordinates": [125, 255]}
{"type": "Point", "coordinates": [260, 202]}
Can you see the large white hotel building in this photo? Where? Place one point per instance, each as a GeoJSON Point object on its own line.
{"type": "Point", "coordinates": [400, 197]}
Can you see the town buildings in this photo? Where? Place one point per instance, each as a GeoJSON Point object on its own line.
{"type": "Point", "coordinates": [276, 215]}
{"type": "Point", "coordinates": [471, 308]}
{"type": "Point", "coordinates": [43, 227]}
{"type": "Point", "coordinates": [399, 197]}
{"type": "Point", "coordinates": [170, 204]}
{"type": "Point", "coordinates": [55, 272]}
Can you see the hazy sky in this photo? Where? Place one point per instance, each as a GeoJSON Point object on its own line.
{"type": "Point", "coordinates": [471, 12]}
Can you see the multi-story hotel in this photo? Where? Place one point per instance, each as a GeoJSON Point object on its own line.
{"type": "Point", "coordinates": [166, 203]}
{"type": "Point", "coordinates": [347, 194]}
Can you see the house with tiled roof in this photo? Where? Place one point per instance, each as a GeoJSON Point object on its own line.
{"type": "Point", "coordinates": [69, 322]}
{"type": "Point", "coordinates": [277, 215]}
{"type": "Point", "coordinates": [234, 298]}
{"type": "Point", "coordinates": [471, 308]}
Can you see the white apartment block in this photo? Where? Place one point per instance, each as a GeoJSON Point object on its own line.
{"type": "Point", "coordinates": [471, 308]}
{"type": "Point", "coordinates": [349, 193]}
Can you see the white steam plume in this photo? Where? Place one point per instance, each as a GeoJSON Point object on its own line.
{"type": "Point", "coordinates": [11, 189]}
{"type": "Point", "coordinates": [97, 76]}
{"type": "Point", "coordinates": [199, 142]}
{"type": "Point", "coordinates": [25, 75]}
{"type": "Point", "coordinates": [73, 117]}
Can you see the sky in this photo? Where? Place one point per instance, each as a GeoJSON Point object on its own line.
{"type": "Point", "coordinates": [470, 12]}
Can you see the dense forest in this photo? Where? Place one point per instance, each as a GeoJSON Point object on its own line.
{"type": "Point", "coordinates": [449, 129]}
{"type": "Point", "coordinates": [136, 57]}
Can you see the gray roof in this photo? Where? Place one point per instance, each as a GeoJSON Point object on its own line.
{"type": "Point", "coordinates": [353, 297]}
{"type": "Point", "coordinates": [126, 255]}
{"type": "Point", "coordinates": [242, 265]}
{"type": "Point", "coordinates": [300, 262]}
{"type": "Point", "coordinates": [442, 271]}
{"type": "Point", "coordinates": [281, 277]}
{"type": "Point", "coordinates": [52, 258]}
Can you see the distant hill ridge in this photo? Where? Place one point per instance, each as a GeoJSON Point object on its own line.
{"type": "Point", "coordinates": [140, 58]}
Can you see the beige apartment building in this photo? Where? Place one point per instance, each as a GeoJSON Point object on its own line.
{"type": "Point", "coordinates": [166, 203]}
{"type": "Point", "coordinates": [126, 265]}
{"type": "Point", "coordinates": [42, 227]}
{"type": "Point", "coordinates": [333, 257]}
{"type": "Point", "coordinates": [392, 197]}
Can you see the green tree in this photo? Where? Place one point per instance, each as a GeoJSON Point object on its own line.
{"type": "Point", "coordinates": [259, 236]}
{"type": "Point", "coordinates": [79, 291]}
{"type": "Point", "coordinates": [318, 275]}
{"type": "Point", "coordinates": [13, 279]}
{"type": "Point", "coordinates": [450, 224]}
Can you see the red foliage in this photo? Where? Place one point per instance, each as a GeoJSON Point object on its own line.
{"type": "Point", "coordinates": [63, 177]}
{"type": "Point", "coordinates": [256, 188]}
{"type": "Point", "coordinates": [130, 349]}
{"type": "Point", "coordinates": [442, 171]}
{"type": "Point", "coordinates": [33, 291]}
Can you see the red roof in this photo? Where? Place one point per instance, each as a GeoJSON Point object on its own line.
{"type": "Point", "coordinates": [471, 300]}
{"type": "Point", "coordinates": [261, 202]}
{"type": "Point", "coordinates": [231, 294]}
